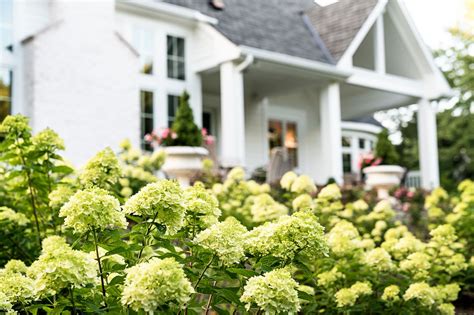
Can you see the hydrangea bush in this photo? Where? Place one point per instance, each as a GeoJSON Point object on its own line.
{"type": "Point", "coordinates": [114, 238]}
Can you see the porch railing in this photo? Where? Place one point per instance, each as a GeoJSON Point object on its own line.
{"type": "Point", "coordinates": [413, 179]}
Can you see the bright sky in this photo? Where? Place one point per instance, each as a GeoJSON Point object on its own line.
{"type": "Point", "coordinates": [434, 17]}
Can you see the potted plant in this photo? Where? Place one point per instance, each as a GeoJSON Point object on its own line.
{"type": "Point", "coordinates": [384, 173]}
{"type": "Point", "coordinates": [182, 144]}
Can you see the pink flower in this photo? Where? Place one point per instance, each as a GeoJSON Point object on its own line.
{"type": "Point", "coordinates": [174, 135]}
{"type": "Point", "coordinates": [405, 207]}
{"type": "Point", "coordinates": [410, 194]}
{"type": "Point", "coordinates": [148, 137]}
{"type": "Point", "coordinates": [377, 162]}
{"type": "Point", "coordinates": [209, 140]}
{"type": "Point", "coordinates": [204, 132]}
{"type": "Point", "coordinates": [165, 133]}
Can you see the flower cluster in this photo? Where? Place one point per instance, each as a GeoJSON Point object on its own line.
{"type": "Point", "coordinates": [102, 171]}
{"type": "Point", "coordinates": [158, 282]}
{"type": "Point", "coordinates": [92, 209]}
{"type": "Point", "coordinates": [15, 286]}
{"type": "Point", "coordinates": [202, 208]}
{"type": "Point", "coordinates": [288, 236]}
{"type": "Point", "coordinates": [274, 292]}
{"type": "Point", "coordinates": [265, 208]}
{"type": "Point", "coordinates": [225, 239]}
{"type": "Point", "coordinates": [162, 201]}
{"type": "Point", "coordinates": [297, 184]}
{"type": "Point", "coordinates": [60, 267]}
{"type": "Point", "coordinates": [11, 217]}
{"type": "Point", "coordinates": [348, 296]}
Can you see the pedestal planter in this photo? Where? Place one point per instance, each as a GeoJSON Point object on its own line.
{"type": "Point", "coordinates": [183, 163]}
{"type": "Point", "coordinates": [383, 177]}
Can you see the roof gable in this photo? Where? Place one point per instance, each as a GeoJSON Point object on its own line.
{"type": "Point", "coordinates": [339, 23]}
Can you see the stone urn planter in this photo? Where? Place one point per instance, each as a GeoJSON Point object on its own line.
{"type": "Point", "coordinates": [383, 177]}
{"type": "Point", "coordinates": [183, 163]}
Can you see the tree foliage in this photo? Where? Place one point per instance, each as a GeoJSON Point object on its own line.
{"type": "Point", "coordinates": [188, 134]}
{"type": "Point", "coordinates": [385, 149]}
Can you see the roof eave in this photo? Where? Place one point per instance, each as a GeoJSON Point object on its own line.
{"type": "Point", "coordinates": [324, 69]}
{"type": "Point", "coordinates": [170, 10]}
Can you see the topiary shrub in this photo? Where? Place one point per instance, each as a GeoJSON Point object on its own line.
{"type": "Point", "coordinates": [385, 150]}
{"type": "Point", "coordinates": [187, 132]}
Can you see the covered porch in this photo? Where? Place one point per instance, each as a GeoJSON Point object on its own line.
{"type": "Point", "coordinates": [266, 99]}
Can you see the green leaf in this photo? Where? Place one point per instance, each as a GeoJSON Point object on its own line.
{"type": "Point", "coordinates": [243, 272]}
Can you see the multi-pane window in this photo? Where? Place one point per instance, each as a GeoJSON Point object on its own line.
{"type": "Point", "coordinates": [361, 143]}
{"type": "Point", "coordinates": [146, 117]}
{"type": "Point", "coordinates": [6, 27]}
{"type": "Point", "coordinates": [346, 141]}
{"type": "Point", "coordinates": [176, 66]}
{"type": "Point", "coordinates": [143, 41]}
{"type": "Point", "coordinates": [173, 103]}
{"type": "Point", "coordinates": [284, 134]}
{"type": "Point", "coordinates": [5, 92]}
{"type": "Point", "coordinates": [347, 162]}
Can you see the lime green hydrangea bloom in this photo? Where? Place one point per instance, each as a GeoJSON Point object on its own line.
{"type": "Point", "coordinates": [379, 259]}
{"type": "Point", "coordinates": [447, 293]}
{"type": "Point", "coordinates": [59, 267]}
{"type": "Point", "coordinates": [225, 239]}
{"type": "Point", "coordinates": [265, 208]}
{"type": "Point", "coordinates": [303, 184]}
{"type": "Point", "coordinates": [360, 206]}
{"type": "Point", "coordinates": [12, 217]}
{"type": "Point", "coordinates": [156, 283]}
{"type": "Point", "coordinates": [391, 293]}
{"type": "Point", "coordinates": [102, 171]}
{"type": "Point", "coordinates": [330, 192]}
{"type": "Point", "coordinates": [93, 209]}
{"type": "Point", "coordinates": [164, 201]}
{"type": "Point", "coordinates": [16, 127]}
{"type": "Point", "coordinates": [59, 196]}
{"type": "Point", "coordinates": [343, 239]}
{"type": "Point", "coordinates": [274, 292]}
{"type": "Point", "coordinates": [287, 180]}
{"type": "Point", "coordinates": [326, 279]}
{"type": "Point", "coordinates": [287, 236]}
{"type": "Point", "coordinates": [348, 296]}
{"type": "Point", "coordinates": [422, 292]}
{"type": "Point", "coordinates": [446, 309]}
{"type": "Point", "coordinates": [236, 174]}
{"type": "Point", "coordinates": [303, 202]}
{"type": "Point", "coordinates": [202, 208]}
{"type": "Point", "coordinates": [15, 286]}
{"type": "Point", "coordinates": [417, 265]}
{"type": "Point", "coordinates": [47, 141]}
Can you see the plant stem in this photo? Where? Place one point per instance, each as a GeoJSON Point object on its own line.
{"type": "Point", "coordinates": [150, 227]}
{"type": "Point", "coordinates": [204, 271]}
{"type": "Point", "coordinates": [210, 300]}
{"type": "Point", "coordinates": [30, 188]}
{"type": "Point", "coordinates": [72, 301]}
{"type": "Point", "coordinates": [100, 266]}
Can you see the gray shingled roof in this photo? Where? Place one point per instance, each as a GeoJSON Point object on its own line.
{"type": "Point", "coordinates": [274, 25]}
{"type": "Point", "coordinates": [367, 120]}
{"type": "Point", "coordinates": [298, 28]}
{"type": "Point", "coordinates": [338, 24]}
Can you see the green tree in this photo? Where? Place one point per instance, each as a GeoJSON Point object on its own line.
{"type": "Point", "coordinates": [188, 133]}
{"type": "Point", "coordinates": [456, 121]}
{"type": "Point", "coordinates": [385, 150]}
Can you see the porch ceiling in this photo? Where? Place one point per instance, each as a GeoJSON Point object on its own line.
{"type": "Point", "coordinates": [359, 101]}
{"type": "Point", "coordinates": [264, 78]}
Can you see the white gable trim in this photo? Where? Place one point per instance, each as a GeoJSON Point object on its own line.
{"type": "Point", "coordinates": [441, 86]}
{"type": "Point", "coordinates": [435, 84]}
{"type": "Point", "coordinates": [346, 59]}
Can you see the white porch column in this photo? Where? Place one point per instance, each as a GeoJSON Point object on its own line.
{"type": "Point", "coordinates": [428, 145]}
{"type": "Point", "coordinates": [330, 119]}
{"type": "Point", "coordinates": [232, 116]}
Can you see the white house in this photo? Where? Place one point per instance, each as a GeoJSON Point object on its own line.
{"type": "Point", "coordinates": [260, 74]}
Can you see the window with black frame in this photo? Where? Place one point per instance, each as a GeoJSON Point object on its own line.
{"type": "Point", "coordinates": [173, 103]}
{"type": "Point", "coordinates": [146, 118]}
{"type": "Point", "coordinates": [176, 58]}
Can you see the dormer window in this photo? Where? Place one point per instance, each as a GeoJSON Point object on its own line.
{"type": "Point", "coordinates": [176, 67]}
